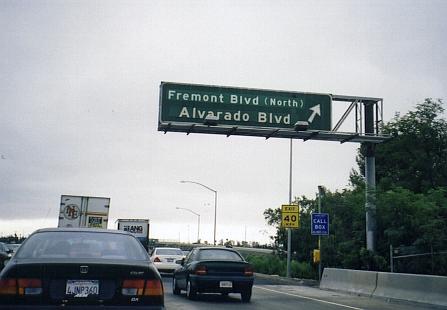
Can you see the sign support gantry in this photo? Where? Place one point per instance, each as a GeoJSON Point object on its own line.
{"type": "Point", "coordinates": [192, 108]}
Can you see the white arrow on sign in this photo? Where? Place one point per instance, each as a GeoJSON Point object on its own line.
{"type": "Point", "coordinates": [315, 110]}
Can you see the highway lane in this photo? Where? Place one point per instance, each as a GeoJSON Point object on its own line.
{"type": "Point", "coordinates": [284, 297]}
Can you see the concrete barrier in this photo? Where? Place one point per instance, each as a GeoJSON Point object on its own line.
{"type": "Point", "coordinates": [402, 286]}
{"type": "Point", "coordinates": [352, 281]}
{"type": "Point", "coordinates": [412, 287]}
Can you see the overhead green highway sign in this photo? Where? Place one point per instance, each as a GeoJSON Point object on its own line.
{"type": "Point", "coordinates": [242, 107]}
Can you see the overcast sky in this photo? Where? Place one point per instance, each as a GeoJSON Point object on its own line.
{"type": "Point", "coordinates": [79, 101]}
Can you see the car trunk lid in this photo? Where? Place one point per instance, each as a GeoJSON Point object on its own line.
{"type": "Point", "coordinates": [225, 268]}
{"type": "Point", "coordinates": [83, 281]}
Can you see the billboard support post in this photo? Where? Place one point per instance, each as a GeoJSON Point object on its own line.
{"type": "Point", "coordinates": [370, 179]}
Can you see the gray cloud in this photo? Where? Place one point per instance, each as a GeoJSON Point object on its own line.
{"type": "Point", "coordinates": [80, 82]}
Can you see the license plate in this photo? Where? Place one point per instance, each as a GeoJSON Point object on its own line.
{"type": "Point", "coordinates": [170, 260]}
{"type": "Point", "coordinates": [82, 288]}
{"type": "Point", "coordinates": [227, 284]}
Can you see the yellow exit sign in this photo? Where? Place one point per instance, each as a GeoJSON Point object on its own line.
{"type": "Point", "coordinates": [290, 208]}
{"type": "Point", "coordinates": [290, 216]}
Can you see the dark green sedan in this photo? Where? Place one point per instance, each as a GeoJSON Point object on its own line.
{"type": "Point", "coordinates": [214, 270]}
{"type": "Point", "coordinates": [81, 268]}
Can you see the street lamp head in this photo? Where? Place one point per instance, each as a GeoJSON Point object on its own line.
{"type": "Point", "coordinates": [215, 203]}
{"type": "Point", "coordinates": [321, 190]}
{"type": "Point", "coordinates": [301, 126]}
{"type": "Point", "coordinates": [211, 120]}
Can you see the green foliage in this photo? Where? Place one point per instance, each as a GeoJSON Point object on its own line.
{"type": "Point", "coordinates": [301, 270]}
{"type": "Point", "coordinates": [270, 264]}
{"type": "Point", "coordinates": [12, 239]}
{"type": "Point", "coordinates": [418, 220]}
{"type": "Point", "coordinates": [416, 157]}
{"type": "Point", "coordinates": [274, 265]}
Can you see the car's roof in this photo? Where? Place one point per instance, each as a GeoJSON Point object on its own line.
{"type": "Point", "coordinates": [161, 247]}
{"type": "Point", "coordinates": [215, 248]}
{"type": "Point", "coordinates": [83, 229]}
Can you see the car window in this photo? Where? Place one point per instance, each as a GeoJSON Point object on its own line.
{"type": "Point", "coordinates": [219, 254]}
{"type": "Point", "coordinates": [190, 256]}
{"type": "Point", "coordinates": [2, 248]}
{"type": "Point", "coordinates": [82, 245]}
{"type": "Point", "coordinates": [168, 252]}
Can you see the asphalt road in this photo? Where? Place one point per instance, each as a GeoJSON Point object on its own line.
{"type": "Point", "coordinates": [271, 295]}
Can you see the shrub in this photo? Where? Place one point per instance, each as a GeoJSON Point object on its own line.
{"type": "Point", "coordinates": [302, 270]}
{"type": "Point", "coordinates": [272, 264]}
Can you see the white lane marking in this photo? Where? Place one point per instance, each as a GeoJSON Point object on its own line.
{"type": "Point", "coordinates": [309, 298]}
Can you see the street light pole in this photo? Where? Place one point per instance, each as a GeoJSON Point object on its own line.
{"type": "Point", "coordinates": [289, 230]}
{"type": "Point", "coordinates": [215, 203]}
{"type": "Point", "coordinates": [320, 194]}
{"type": "Point", "coordinates": [198, 221]}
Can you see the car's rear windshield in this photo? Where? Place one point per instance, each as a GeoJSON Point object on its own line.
{"type": "Point", "coordinates": [75, 244]}
{"type": "Point", "coordinates": [219, 254]}
{"type": "Point", "coordinates": [169, 252]}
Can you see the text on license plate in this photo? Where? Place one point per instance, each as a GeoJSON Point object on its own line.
{"type": "Point", "coordinates": [226, 284]}
{"type": "Point", "coordinates": [82, 288]}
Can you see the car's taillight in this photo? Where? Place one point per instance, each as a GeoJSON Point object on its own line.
{"type": "Point", "coordinates": [201, 270]}
{"type": "Point", "coordinates": [29, 286]}
{"type": "Point", "coordinates": [8, 287]}
{"type": "Point", "coordinates": [133, 287]}
{"type": "Point", "coordinates": [248, 271]}
{"type": "Point", "coordinates": [153, 288]}
{"type": "Point", "coordinates": [157, 260]}
{"type": "Point", "coordinates": [136, 287]}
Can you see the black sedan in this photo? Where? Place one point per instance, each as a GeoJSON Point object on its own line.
{"type": "Point", "coordinates": [81, 268]}
{"type": "Point", "coordinates": [214, 270]}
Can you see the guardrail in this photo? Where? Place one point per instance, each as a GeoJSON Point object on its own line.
{"type": "Point", "coordinates": [402, 286]}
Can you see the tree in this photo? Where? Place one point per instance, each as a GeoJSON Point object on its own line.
{"type": "Point", "coordinates": [411, 173]}
{"type": "Point", "coordinates": [417, 221]}
{"type": "Point", "coordinates": [416, 156]}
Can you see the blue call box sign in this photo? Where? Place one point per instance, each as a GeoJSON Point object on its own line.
{"type": "Point", "coordinates": [320, 224]}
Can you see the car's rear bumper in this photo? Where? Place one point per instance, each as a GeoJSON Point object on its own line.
{"type": "Point", "coordinates": [211, 284]}
{"type": "Point", "coordinates": [43, 307]}
{"type": "Point", "coordinates": [117, 304]}
{"type": "Point", "coordinates": [166, 267]}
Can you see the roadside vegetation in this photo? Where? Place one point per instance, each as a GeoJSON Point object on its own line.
{"type": "Point", "coordinates": [12, 239]}
{"type": "Point", "coordinates": [411, 178]}
{"type": "Point", "coordinates": [276, 265]}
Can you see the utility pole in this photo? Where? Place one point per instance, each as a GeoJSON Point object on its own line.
{"type": "Point", "coordinates": [289, 230]}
